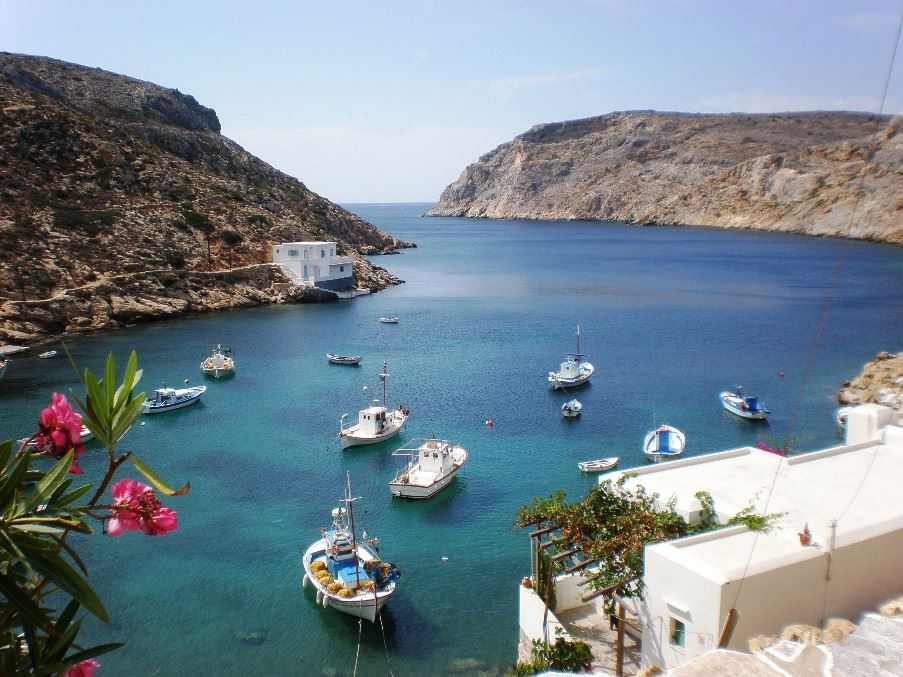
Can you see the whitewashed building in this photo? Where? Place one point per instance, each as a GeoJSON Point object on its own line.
{"type": "Point", "coordinates": [315, 264]}
{"type": "Point", "coordinates": [850, 500]}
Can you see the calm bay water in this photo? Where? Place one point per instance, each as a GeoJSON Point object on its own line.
{"type": "Point", "coordinates": [669, 316]}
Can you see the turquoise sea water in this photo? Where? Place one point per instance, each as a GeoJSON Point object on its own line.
{"type": "Point", "coordinates": [669, 317]}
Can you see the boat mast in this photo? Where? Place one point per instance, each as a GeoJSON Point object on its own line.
{"type": "Point", "coordinates": [383, 376]}
{"type": "Point", "coordinates": [577, 356]}
{"type": "Point", "coordinates": [350, 503]}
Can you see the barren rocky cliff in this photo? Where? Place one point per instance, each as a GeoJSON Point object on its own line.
{"type": "Point", "coordinates": [820, 173]}
{"type": "Point", "coordinates": [104, 177]}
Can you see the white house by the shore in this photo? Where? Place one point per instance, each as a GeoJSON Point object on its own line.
{"type": "Point", "coordinates": [315, 264]}
{"type": "Point", "coordinates": [849, 499]}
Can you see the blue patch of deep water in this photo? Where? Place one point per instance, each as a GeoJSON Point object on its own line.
{"type": "Point", "coordinates": [669, 317]}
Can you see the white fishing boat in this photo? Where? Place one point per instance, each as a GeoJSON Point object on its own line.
{"type": "Point", "coordinates": [375, 423]}
{"type": "Point", "coordinates": [389, 320]}
{"type": "Point", "coordinates": [571, 409]}
{"type": "Point", "coordinates": [343, 359]}
{"type": "Point", "coordinates": [167, 399]}
{"type": "Point", "coordinates": [664, 442]}
{"type": "Point", "coordinates": [574, 371]}
{"type": "Point", "coordinates": [743, 405]}
{"type": "Point", "coordinates": [432, 465]}
{"type": "Point", "coordinates": [348, 574]}
{"type": "Point", "coordinates": [599, 465]}
{"type": "Point", "coordinates": [49, 353]}
{"type": "Point", "coordinates": [220, 363]}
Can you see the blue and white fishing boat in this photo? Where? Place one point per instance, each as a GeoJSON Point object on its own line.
{"type": "Point", "coordinates": [167, 399]}
{"type": "Point", "coordinates": [348, 574]}
{"type": "Point", "coordinates": [574, 371]}
{"type": "Point", "coordinates": [664, 442]}
{"type": "Point", "coordinates": [743, 405]}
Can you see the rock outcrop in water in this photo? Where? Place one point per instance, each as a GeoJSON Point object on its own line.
{"type": "Point", "coordinates": [790, 172]}
{"type": "Point", "coordinates": [103, 177]}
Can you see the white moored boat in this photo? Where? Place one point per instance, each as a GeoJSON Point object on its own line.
{"type": "Point", "coordinates": [574, 371]}
{"type": "Point", "coordinates": [432, 465]}
{"type": "Point", "coordinates": [571, 409]}
{"type": "Point", "coordinates": [343, 359]}
{"type": "Point", "coordinates": [49, 353]}
{"type": "Point", "coordinates": [389, 320]}
{"type": "Point", "coordinates": [599, 465]}
{"type": "Point", "coordinates": [347, 574]}
{"type": "Point", "coordinates": [167, 399]}
{"type": "Point", "coordinates": [220, 363]}
{"type": "Point", "coordinates": [374, 424]}
{"type": "Point", "coordinates": [742, 405]}
{"type": "Point", "coordinates": [664, 442]}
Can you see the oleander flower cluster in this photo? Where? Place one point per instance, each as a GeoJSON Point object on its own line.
{"type": "Point", "coordinates": [60, 431]}
{"type": "Point", "coordinates": [136, 508]}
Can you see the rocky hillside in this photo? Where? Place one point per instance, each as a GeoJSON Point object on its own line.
{"type": "Point", "coordinates": [881, 382]}
{"type": "Point", "coordinates": [792, 172]}
{"type": "Point", "coordinates": [103, 175]}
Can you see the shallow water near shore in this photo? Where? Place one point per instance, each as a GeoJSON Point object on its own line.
{"type": "Point", "coordinates": [669, 317]}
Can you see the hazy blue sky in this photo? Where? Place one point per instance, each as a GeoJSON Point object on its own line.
{"type": "Point", "coordinates": [386, 101]}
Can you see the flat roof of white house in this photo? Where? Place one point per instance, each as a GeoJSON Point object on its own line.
{"type": "Point", "coordinates": [857, 484]}
{"type": "Point", "coordinates": [302, 244]}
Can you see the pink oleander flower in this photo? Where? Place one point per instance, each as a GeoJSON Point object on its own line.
{"type": "Point", "coordinates": [83, 669]}
{"type": "Point", "coordinates": [136, 508]}
{"type": "Point", "coordinates": [60, 429]}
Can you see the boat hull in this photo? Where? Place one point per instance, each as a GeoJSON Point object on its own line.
{"type": "Point", "coordinates": [364, 605]}
{"type": "Point", "coordinates": [349, 438]}
{"type": "Point", "coordinates": [734, 405]}
{"type": "Point", "coordinates": [674, 445]}
{"type": "Point", "coordinates": [151, 408]}
{"type": "Point", "coordinates": [350, 360]}
{"type": "Point", "coordinates": [557, 382]}
{"type": "Point", "coordinates": [600, 465]}
{"type": "Point", "coordinates": [218, 372]}
{"type": "Point", "coordinates": [407, 490]}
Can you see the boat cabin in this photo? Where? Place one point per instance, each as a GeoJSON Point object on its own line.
{"type": "Point", "coordinates": [570, 368]}
{"type": "Point", "coordinates": [372, 420]}
{"type": "Point", "coordinates": [435, 456]}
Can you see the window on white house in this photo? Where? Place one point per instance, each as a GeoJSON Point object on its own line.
{"type": "Point", "coordinates": [322, 253]}
{"type": "Point", "coordinates": [292, 252]}
{"type": "Point", "coordinates": [678, 632]}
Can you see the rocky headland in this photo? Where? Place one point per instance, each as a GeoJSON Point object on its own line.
{"type": "Point", "coordinates": [120, 201]}
{"type": "Point", "coordinates": [820, 173]}
{"type": "Point", "coordinates": [880, 382]}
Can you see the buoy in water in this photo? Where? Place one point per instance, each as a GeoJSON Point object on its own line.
{"type": "Point", "coordinates": [305, 580]}
{"type": "Point", "coordinates": [781, 373]}
{"type": "Point", "coordinates": [489, 422]}
{"type": "Point", "coordinates": [444, 559]}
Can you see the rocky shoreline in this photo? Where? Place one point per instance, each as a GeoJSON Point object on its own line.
{"type": "Point", "coordinates": [880, 382]}
{"type": "Point", "coordinates": [147, 296]}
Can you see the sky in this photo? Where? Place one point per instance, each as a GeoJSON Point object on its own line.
{"type": "Point", "coordinates": [388, 101]}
